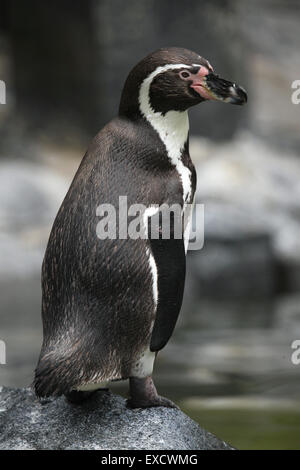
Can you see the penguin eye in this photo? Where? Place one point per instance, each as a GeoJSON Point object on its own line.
{"type": "Point", "coordinates": [184, 74]}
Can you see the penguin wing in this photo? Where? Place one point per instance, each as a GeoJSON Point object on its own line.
{"type": "Point", "coordinates": [169, 255]}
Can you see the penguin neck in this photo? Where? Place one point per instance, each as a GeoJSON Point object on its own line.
{"type": "Point", "coordinates": [173, 130]}
{"type": "Point", "coordinates": [172, 126]}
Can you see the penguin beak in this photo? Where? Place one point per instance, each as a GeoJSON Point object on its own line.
{"type": "Point", "coordinates": [212, 87]}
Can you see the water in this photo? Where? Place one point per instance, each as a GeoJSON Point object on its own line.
{"type": "Point", "coordinates": [251, 429]}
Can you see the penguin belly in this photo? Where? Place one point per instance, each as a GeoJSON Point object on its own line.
{"type": "Point", "coordinates": [92, 386]}
{"type": "Point", "coordinates": [142, 362]}
{"type": "Point", "coordinates": [96, 329]}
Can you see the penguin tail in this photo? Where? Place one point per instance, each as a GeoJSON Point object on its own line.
{"type": "Point", "coordinates": [52, 377]}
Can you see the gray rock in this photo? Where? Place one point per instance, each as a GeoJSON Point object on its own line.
{"type": "Point", "coordinates": [109, 39]}
{"type": "Point", "coordinates": [272, 69]}
{"type": "Point", "coordinates": [234, 267]}
{"type": "Point", "coordinates": [30, 195]}
{"type": "Point", "coordinates": [102, 423]}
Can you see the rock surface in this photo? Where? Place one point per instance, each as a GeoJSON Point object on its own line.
{"type": "Point", "coordinates": [102, 423]}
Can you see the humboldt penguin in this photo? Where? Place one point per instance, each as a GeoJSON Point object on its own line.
{"type": "Point", "coordinates": [110, 303]}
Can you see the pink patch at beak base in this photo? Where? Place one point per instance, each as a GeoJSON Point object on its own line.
{"type": "Point", "coordinates": [199, 84]}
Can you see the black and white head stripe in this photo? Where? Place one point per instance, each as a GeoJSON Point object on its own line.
{"type": "Point", "coordinates": [157, 62]}
{"type": "Point", "coordinates": [144, 95]}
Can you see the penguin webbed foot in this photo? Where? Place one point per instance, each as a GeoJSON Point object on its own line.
{"type": "Point", "coordinates": [143, 394]}
{"type": "Point", "coordinates": [158, 401]}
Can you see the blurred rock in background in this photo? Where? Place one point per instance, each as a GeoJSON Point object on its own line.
{"type": "Point", "coordinates": [70, 59]}
{"type": "Point", "coordinates": [270, 36]}
{"type": "Point", "coordinates": [252, 218]}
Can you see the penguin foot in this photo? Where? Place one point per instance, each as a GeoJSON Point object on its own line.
{"type": "Point", "coordinates": [143, 394]}
{"type": "Point", "coordinates": [158, 401]}
{"type": "Point", "coordinates": [77, 397]}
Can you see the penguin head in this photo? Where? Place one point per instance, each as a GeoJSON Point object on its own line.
{"type": "Point", "coordinates": [174, 79]}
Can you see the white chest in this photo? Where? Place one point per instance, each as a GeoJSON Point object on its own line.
{"type": "Point", "coordinates": [173, 129]}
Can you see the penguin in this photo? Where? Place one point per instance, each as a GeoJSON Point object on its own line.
{"type": "Point", "coordinates": [109, 305]}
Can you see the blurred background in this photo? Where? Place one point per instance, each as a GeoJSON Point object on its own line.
{"type": "Point", "coordinates": [64, 62]}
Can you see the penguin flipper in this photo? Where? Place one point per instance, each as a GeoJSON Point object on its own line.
{"type": "Point", "coordinates": [169, 255]}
